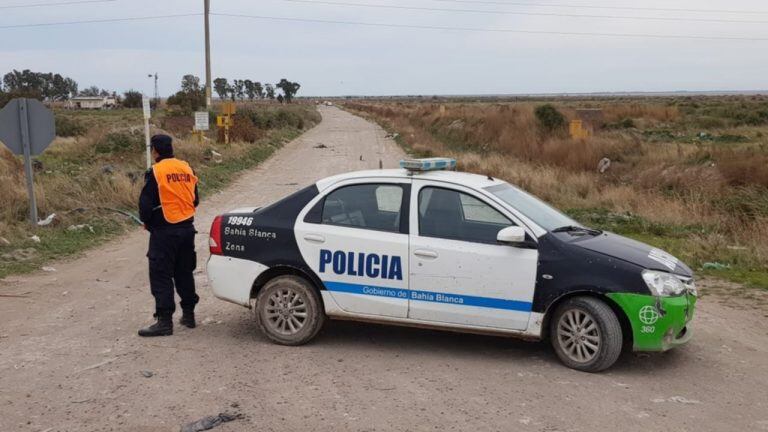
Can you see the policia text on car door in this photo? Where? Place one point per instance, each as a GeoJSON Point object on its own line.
{"type": "Point", "coordinates": [167, 208]}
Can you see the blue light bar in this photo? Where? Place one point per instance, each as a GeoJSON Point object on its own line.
{"type": "Point", "coordinates": [428, 164]}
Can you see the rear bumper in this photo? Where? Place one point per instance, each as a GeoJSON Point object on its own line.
{"type": "Point", "coordinates": [658, 323]}
{"type": "Point", "coordinates": [232, 279]}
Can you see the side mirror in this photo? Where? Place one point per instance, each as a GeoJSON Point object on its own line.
{"type": "Point", "coordinates": [511, 235]}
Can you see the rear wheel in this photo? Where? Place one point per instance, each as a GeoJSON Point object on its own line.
{"type": "Point", "coordinates": [586, 334]}
{"type": "Point", "coordinates": [288, 310]}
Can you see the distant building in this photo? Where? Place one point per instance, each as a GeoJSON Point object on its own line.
{"type": "Point", "coordinates": [93, 102]}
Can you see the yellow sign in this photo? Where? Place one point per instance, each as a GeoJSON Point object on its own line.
{"type": "Point", "coordinates": [224, 121]}
{"type": "Point", "coordinates": [578, 131]}
{"type": "Point", "coordinates": [228, 108]}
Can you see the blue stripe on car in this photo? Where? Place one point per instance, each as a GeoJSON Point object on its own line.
{"type": "Point", "coordinates": [429, 296]}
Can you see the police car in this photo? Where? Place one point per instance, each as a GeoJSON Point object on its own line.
{"type": "Point", "coordinates": [426, 246]}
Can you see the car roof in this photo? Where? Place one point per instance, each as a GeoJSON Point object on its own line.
{"type": "Point", "coordinates": [475, 181]}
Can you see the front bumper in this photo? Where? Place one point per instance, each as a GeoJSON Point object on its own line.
{"type": "Point", "coordinates": [658, 323]}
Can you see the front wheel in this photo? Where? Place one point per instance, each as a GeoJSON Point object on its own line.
{"type": "Point", "coordinates": [288, 310]}
{"type": "Point", "coordinates": [586, 334]}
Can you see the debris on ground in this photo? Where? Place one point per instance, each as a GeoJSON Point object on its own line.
{"type": "Point", "coordinates": [392, 135]}
{"type": "Point", "coordinates": [677, 399]}
{"type": "Point", "coordinates": [48, 269]}
{"type": "Point", "coordinates": [19, 255]}
{"type": "Point", "coordinates": [217, 157]}
{"type": "Point", "coordinates": [35, 239]}
{"type": "Point", "coordinates": [80, 227]}
{"type": "Point", "coordinates": [47, 221]}
{"type": "Point", "coordinates": [108, 169]}
{"type": "Point", "coordinates": [715, 266]}
{"type": "Point", "coordinates": [210, 422]}
{"type": "Point", "coordinates": [5, 241]}
{"type": "Point", "coordinates": [320, 146]}
{"type": "Point", "coordinates": [603, 165]}
{"type": "Point", "coordinates": [147, 374]}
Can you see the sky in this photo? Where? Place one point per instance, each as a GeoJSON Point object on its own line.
{"type": "Point", "coordinates": [337, 58]}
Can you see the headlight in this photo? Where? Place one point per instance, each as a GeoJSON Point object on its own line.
{"type": "Point", "coordinates": [663, 284]}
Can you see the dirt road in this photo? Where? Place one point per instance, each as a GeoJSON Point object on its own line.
{"type": "Point", "coordinates": [70, 359]}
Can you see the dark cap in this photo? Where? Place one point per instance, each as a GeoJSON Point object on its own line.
{"type": "Point", "coordinates": [162, 144]}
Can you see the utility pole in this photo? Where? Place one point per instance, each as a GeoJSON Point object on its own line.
{"type": "Point", "coordinates": [207, 54]}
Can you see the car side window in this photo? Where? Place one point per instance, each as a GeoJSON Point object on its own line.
{"type": "Point", "coordinates": [450, 214]}
{"type": "Point", "coordinates": [371, 206]}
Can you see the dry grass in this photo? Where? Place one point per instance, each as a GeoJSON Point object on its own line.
{"type": "Point", "coordinates": [104, 168]}
{"type": "Point", "coordinates": [675, 184]}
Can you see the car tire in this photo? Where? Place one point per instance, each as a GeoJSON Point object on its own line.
{"type": "Point", "coordinates": [289, 311]}
{"type": "Point", "coordinates": [586, 334]}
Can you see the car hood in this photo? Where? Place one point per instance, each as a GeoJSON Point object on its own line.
{"type": "Point", "coordinates": [629, 250]}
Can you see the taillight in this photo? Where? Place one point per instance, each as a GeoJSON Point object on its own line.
{"type": "Point", "coordinates": [214, 241]}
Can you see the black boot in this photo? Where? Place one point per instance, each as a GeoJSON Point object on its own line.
{"type": "Point", "coordinates": [188, 319]}
{"type": "Point", "coordinates": [163, 327]}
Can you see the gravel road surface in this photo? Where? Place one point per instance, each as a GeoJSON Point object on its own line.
{"type": "Point", "coordinates": [70, 359]}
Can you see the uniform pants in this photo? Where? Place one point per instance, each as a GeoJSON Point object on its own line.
{"type": "Point", "coordinates": [172, 260]}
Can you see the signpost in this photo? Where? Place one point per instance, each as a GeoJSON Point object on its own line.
{"type": "Point", "coordinates": [147, 116]}
{"type": "Point", "coordinates": [201, 125]}
{"type": "Point", "coordinates": [27, 128]}
{"type": "Point", "coordinates": [226, 120]}
{"type": "Point", "coordinates": [201, 121]}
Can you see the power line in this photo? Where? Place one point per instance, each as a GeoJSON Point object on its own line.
{"type": "Point", "coordinates": [491, 30]}
{"type": "Point", "coordinates": [97, 21]}
{"type": "Point", "coordinates": [635, 8]}
{"type": "Point", "coordinates": [63, 3]}
{"type": "Point", "coordinates": [498, 12]}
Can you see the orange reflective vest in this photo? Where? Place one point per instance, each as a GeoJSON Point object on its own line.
{"type": "Point", "coordinates": [176, 184]}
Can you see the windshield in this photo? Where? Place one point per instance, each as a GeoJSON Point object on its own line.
{"type": "Point", "coordinates": [533, 208]}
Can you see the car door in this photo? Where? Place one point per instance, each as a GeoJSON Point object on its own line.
{"type": "Point", "coordinates": [358, 246]}
{"type": "Point", "coordinates": [459, 273]}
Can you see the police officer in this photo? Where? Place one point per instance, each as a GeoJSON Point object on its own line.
{"type": "Point", "coordinates": [167, 208]}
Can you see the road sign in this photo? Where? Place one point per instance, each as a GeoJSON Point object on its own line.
{"type": "Point", "coordinates": [228, 108]}
{"type": "Point", "coordinates": [146, 107]}
{"type": "Point", "coordinates": [201, 121]}
{"type": "Point", "coordinates": [224, 121]}
{"type": "Point", "coordinates": [27, 127]}
{"type": "Point", "coordinates": [42, 127]}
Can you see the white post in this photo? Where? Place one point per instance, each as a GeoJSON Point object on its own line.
{"type": "Point", "coordinates": [147, 115]}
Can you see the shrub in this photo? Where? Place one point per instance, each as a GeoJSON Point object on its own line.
{"type": "Point", "coordinates": [69, 127]}
{"type": "Point", "coordinates": [132, 99]}
{"type": "Point", "coordinates": [244, 130]}
{"type": "Point", "coordinates": [549, 118]}
{"type": "Point", "coordinates": [119, 142]}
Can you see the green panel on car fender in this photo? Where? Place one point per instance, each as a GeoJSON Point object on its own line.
{"type": "Point", "coordinates": [652, 330]}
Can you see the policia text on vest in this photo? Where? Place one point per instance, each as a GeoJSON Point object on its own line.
{"type": "Point", "coordinates": [167, 208]}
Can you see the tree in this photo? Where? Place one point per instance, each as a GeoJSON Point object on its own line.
{"type": "Point", "coordinates": [46, 86]}
{"type": "Point", "coordinates": [132, 99]}
{"type": "Point", "coordinates": [280, 98]}
{"type": "Point", "coordinates": [191, 97]}
{"type": "Point", "coordinates": [270, 91]}
{"type": "Point", "coordinates": [257, 87]}
{"type": "Point", "coordinates": [91, 91]}
{"type": "Point", "coordinates": [289, 88]}
{"type": "Point", "coordinates": [238, 86]}
{"type": "Point", "coordinates": [250, 91]}
{"type": "Point", "coordinates": [231, 92]}
{"type": "Point", "coordinates": [550, 120]}
{"type": "Point", "coordinates": [190, 84]}
{"type": "Point", "coordinates": [220, 86]}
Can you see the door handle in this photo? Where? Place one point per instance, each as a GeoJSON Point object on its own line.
{"type": "Point", "coordinates": [425, 253]}
{"type": "Point", "coordinates": [314, 238]}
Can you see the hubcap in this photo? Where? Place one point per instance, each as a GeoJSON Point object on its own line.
{"type": "Point", "coordinates": [578, 335]}
{"type": "Point", "coordinates": [286, 311]}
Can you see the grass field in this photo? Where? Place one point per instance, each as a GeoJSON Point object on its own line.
{"type": "Point", "coordinates": [96, 170]}
{"type": "Point", "coordinates": [688, 174]}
